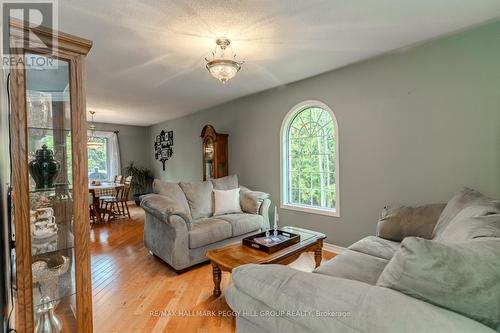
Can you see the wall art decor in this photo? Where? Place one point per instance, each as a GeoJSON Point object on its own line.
{"type": "Point", "coordinates": [163, 146]}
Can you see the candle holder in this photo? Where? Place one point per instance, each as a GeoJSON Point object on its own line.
{"type": "Point", "coordinates": [276, 219]}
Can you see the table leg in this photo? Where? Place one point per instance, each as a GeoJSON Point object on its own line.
{"type": "Point", "coordinates": [217, 274]}
{"type": "Point", "coordinates": [318, 253]}
{"type": "Point", "coordinates": [97, 208]}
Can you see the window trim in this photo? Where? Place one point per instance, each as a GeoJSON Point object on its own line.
{"type": "Point", "coordinates": [297, 108]}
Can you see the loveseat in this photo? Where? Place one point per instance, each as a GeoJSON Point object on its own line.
{"type": "Point", "coordinates": [180, 225]}
{"type": "Point", "coordinates": [434, 268]}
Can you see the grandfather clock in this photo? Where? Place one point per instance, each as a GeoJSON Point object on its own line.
{"type": "Point", "coordinates": [214, 153]}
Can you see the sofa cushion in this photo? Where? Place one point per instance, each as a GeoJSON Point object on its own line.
{"type": "Point", "coordinates": [175, 196]}
{"type": "Point", "coordinates": [251, 201]}
{"type": "Point", "coordinates": [199, 197]}
{"type": "Point", "coordinates": [206, 231]}
{"type": "Point", "coordinates": [462, 277]}
{"type": "Point", "coordinates": [354, 265]}
{"type": "Point", "coordinates": [243, 223]}
{"type": "Point", "coordinates": [225, 183]}
{"type": "Point", "coordinates": [398, 222]}
{"type": "Point", "coordinates": [376, 246]}
{"type": "Point", "coordinates": [227, 201]}
{"type": "Point", "coordinates": [467, 197]}
{"type": "Point", "coordinates": [471, 222]}
{"type": "Point", "coordinates": [287, 292]}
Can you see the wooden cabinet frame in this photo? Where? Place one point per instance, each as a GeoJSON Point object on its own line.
{"type": "Point", "coordinates": [73, 50]}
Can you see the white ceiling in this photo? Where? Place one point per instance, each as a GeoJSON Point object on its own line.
{"type": "Point", "coordinates": [147, 62]}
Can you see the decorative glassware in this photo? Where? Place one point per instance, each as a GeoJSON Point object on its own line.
{"type": "Point", "coordinates": [276, 219]}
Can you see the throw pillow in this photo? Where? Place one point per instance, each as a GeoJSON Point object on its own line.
{"type": "Point", "coordinates": [174, 195]}
{"type": "Point", "coordinates": [199, 197]}
{"type": "Point", "coordinates": [227, 202]}
{"type": "Point", "coordinates": [462, 277]}
{"type": "Point", "coordinates": [251, 201]}
{"type": "Point", "coordinates": [467, 197]}
{"type": "Point", "coordinates": [398, 222]}
{"type": "Point", "coordinates": [226, 183]}
{"type": "Point", "coordinates": [472, 222]}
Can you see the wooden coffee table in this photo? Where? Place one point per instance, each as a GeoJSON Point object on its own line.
{"type": "Point", "coordinates": [233, 255]}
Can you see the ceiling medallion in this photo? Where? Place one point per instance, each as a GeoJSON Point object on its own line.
{"type": "Point", "coordinates": [223, 65]}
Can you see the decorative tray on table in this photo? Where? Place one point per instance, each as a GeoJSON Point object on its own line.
{"type": "Point", "coordinates": [269, 243]}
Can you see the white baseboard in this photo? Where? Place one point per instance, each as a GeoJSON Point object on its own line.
{"type": "Point", "coordinates": [333, 248]}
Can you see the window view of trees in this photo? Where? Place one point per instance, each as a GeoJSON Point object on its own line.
{"type": "Point", "coordinates": [98, 160]}
{"type": "Point", "coordinates": [311, 159]}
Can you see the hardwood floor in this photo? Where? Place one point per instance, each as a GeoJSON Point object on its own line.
{"type": "Point", "coordinates": [136, 292]}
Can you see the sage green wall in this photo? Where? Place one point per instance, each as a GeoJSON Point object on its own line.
{"type": "Point", "coordinates": [415, 126]}
{"type": "Point", "coordinates": [133, 141]}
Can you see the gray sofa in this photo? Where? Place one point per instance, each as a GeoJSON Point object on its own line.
{"type": "Point", "coordinates": [433, 268]}
{"type": "Point", "coordinates": [180, 227]}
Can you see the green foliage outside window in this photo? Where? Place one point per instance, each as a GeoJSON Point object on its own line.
{"type": "Point", "coordinates": [311, 159]}
{"type": "Point", "coordinates": [98, 160]}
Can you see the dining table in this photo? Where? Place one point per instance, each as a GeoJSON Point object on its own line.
{"type": "Point", "coordinates": [102, 189]}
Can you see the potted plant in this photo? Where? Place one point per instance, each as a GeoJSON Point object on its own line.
{"type": "Point", "coordinates": [142, 179]}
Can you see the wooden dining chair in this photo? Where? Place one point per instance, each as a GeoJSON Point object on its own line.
{"type": "Point", "coordinates": [103, 199]}
{"type": "Point", "coordinates": [120, 202]}
{"type": "Point", "coordinates": [118, 179]}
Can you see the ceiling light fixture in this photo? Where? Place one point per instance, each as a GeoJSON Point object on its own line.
{"type": "Point", "coordinates": [92, 141]}
{"type": "Point", "coordinates": [223, 65]}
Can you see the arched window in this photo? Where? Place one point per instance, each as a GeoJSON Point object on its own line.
{"type": "Point", "coordinates": [309, 159]}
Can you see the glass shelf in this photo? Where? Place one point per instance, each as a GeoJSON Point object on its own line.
{"type": "Point", "coordinates": [58, 188]}
{"type": "Point", "coordinates": [55, 129]}
{"type": "Point", "coordinates": [57, 300]}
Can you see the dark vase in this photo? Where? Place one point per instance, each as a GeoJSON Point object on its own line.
{"type": "Point", "coordinates": [44, 169]}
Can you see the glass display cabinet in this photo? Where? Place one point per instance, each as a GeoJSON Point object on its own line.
{"type": "Point", "coordinates": [214, 152]}
{"type": "Point", "coordinates": [50, 191]}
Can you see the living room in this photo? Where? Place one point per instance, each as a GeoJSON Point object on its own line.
{"type": "Point", "coordinates": [251, 166]}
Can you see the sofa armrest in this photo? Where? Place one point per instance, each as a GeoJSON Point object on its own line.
{"type": "Point", "coordinates": [398, 222]}
{"type": "Point", "coordinates": [163, 208]}
{"type": "Point", "coordinates": [329, 304]}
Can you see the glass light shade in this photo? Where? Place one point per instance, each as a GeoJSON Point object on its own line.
{"type": "Point", "coordinates": [223, 69]}
{"type": "Point", "coordinates": [91, 144]}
